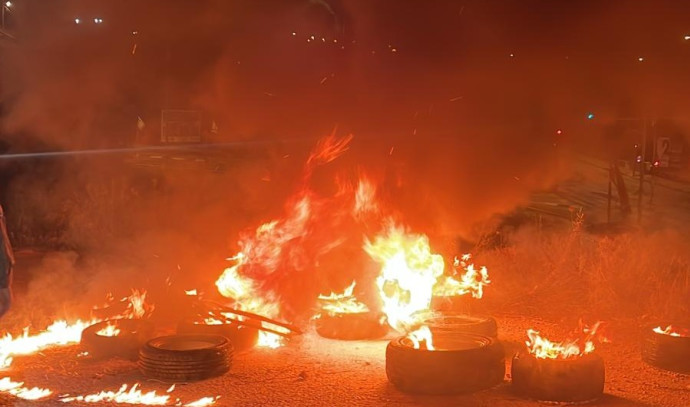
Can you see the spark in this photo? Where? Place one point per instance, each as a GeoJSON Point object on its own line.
{"type": "Point", "coordinates": [641, 59]}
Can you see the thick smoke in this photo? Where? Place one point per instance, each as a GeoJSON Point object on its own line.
{"type": "Point", "coordinates": [453, 106]}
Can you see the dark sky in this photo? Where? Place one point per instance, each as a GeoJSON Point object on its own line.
{"type": "Point", "coordinates": [471, 62]}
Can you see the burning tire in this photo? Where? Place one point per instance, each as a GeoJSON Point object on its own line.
{"type": "Point", "coordinates": [461, 363]}
{"type": "Point", "coordinates": [118, 337]}
{"type": "Point", "coordinates": [477, 325]}
{"type": "Point", "coordinates": [666, 351]}
{"type": "Point", "coordinates": [351, 326]}
{"type": "Point", "coordinates": [185, 357]}
{"type": "Point", "coordinates": [560, 380]}
{"type": "Point", "coordinates": [242, 337]}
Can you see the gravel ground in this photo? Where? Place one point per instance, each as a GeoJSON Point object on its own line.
{"type": "Point", "coordinates": [312, 371]}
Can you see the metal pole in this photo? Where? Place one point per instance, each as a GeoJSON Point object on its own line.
{"type": "Point", "coordinates": [608, 209]}
{"type": "Point", "coordinates": [642, 170]}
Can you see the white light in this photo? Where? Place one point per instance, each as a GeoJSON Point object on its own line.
{"type": "Point", "coordinates": [8, 4]}
{"type": "Point", "coordinates": [77, 21]}
{"type": "Point", "coordinates": [640, 59]}
{"type": "Point", "coordinates": [687, 37]}
{"type": "Point", "coordinates": [512, 55]}
{"type": "Point", "coordinates": [97, 20]}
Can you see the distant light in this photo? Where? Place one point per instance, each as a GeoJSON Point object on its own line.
{"type": "Point", "coordinates": [512, 55]}
{"type": "Point", "coordinates": [97, 20]}
{"type": "Point", "coordinates": [641, 59]}
{"type": "Point", "coordinates": [656, 163]}
{"type": "Point", "coordinates": [559, 131]}
{"type": "Point", "coordinates": [135, 32]}
{"type": "Point", "coordinates": [77, 21]}
{"type": "Point", "coordinates": [635, 145]}
{"type": "Point", "coordinates": [294, 33]}
{"type": "Point", "coordinates": [639, 159]}
{"type": "Point", "coordinates": [590, 116]}
{"type": "Point", "coordinates": [686, 38]}
{"type": "Point", "coordinates": [8, 4]}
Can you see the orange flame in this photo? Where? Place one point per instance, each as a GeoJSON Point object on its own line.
{"type": "Point", "coordinates": [243, 291]}
{"type": "Point", "coordinates": [408, 274]}
{"type": "Point", "coordinates": [59, 333]}
{"type": "Point", "coordinates": [471, 281]}
{"type": "Point", "coordinates": [131, 396]}
{"type": "Point", "coordinates": [18, 390]}
{"type": "Point", "coordinates": [422, 336]}
{"type": "Point", "coordinates": [137, 307]}
{"type": "Point", "coordinates": [544, 349]}
{"type": "Point", "coordinates": [109, 330]}
{"type": "Point", "coordinates": [345, 303]}
{"type": "Point", "coordinates": [672, 331]}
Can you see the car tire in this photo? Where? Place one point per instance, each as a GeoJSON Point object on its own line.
{"type": "Point", "coordinates": [666, 352]}
{"type": "Point", "coordinates": [242, 337]}
{"type": "Point", "coordinates": [178, 358]}
{"type": "Point", "coordinates": [351, 326]}
{"type": "Point", "coordinates": [133, 333]}
{"type": "Point", "coordinates": [578, 379]}
{"type": "Point", "coordinates": [478, 325]}
{"type": "Point", "coordinates": [462, 363]}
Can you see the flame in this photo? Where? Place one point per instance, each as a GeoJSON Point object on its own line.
{"type": "Point", "coordinates": [137, 307]}
{"type": "Point", "coordinates": [544, 349]}
{"type": "Point", "coordinates": [232, 285]}
{"type": "Point", "coordinates": [407, 277]}
{"type": "Point", "coordinates": [345, 303]}
{"type": "Point", "coordinates": [328, 149]}
{"type": "Point", "coordinates": [109, 330]}
{"type": "Point", "coordinates": [131, 396]}
{"type": "Point", "coordinates": [672, 331]}
{"type": "Point", "coordinates": [365, 198]}
{"type": "Point", "coordinates": [471, 281]}
{"type": "Point", "coordinates": [422, 336]}
{"type": "Point", "coordinates": [205, 401]}
{"type": "Point", "coordinates": [59, 333]}
{"type": "Point", "coordinates": [17, 389]}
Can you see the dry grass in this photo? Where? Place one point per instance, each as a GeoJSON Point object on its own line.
{"type": "Point", "coordinates": [573, 274]}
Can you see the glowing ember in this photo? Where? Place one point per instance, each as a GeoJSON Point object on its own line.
{"type": "Point", "coordinates": [17, 389]}
{"type": "Point", "coordinates": [545, 349]}
{"type": "Point", "coordinates": [407, 277]}
{"type": "Point", "coordinates": [59, 333]}
{"type": "Point", "coordinates": [673, 331]}
{"type": "Point", "coordinates": [109, 330]}
{"type": "Point", "coordinates": [345, 303]}
{"type": "Point", "coordinates": [422, 336]}
{"type": "Point", "coordinates": [469, 281]}
{"type": "Point", "coordinates": [131, 396]}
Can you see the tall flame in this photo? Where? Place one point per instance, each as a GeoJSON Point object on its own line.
{"type": "Point", "coordinates": [408, 274]}
{"type": "Point", "coordinates": [544, 349]}
{"type": "Point", "coordinates": [109, 330]}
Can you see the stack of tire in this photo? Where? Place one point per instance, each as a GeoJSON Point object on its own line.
{"type": "Point", "coordinates": [185, 358]}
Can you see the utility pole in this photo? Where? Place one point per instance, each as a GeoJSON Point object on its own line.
{"type": "Point", "coordinates": [642, 170]}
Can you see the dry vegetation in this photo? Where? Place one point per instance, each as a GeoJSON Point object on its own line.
{"type": "Point", "coordinates": [568, 274]}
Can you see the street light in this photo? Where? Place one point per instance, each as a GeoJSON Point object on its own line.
{"type": "Point", "coordinates": [8, 4]}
